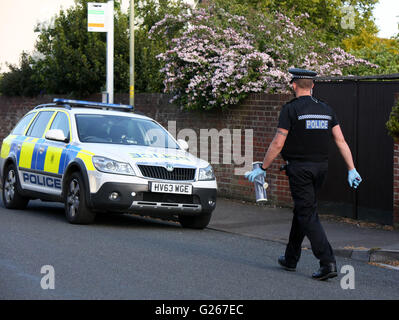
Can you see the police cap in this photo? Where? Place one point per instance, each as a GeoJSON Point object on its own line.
{"type": "Point", "coordinates": [301, 74]}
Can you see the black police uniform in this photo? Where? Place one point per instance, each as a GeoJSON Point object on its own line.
{"type": "Point", "coordinates": [309, 123]}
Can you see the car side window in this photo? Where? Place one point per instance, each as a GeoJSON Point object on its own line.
{"type": "Point", "coordinates": [36, 130]}
{"type": "Point", "coordinates": [61, 122]}
{"type": "Point", "coordinates": [23, 124]}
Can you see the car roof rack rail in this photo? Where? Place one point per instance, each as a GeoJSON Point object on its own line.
{"type": "Point", "coordinates": [49, 105]}
{"type": "Point", "coordinates": [92, 104]}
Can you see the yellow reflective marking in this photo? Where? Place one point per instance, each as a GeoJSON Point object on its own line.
{"type": "Point", "coordinates": [87, 152]}
{"type": "Point", "coordinates": [52, 161]}
{"type": "Point", "coordinates": [25, 157]}
{"type": "Point", "coordinates": [86, 159]}
{"type": "Point", "coordinates": [5, 147]}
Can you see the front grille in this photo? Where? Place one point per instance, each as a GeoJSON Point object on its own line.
{"type": "Point", "coordinates": [178, 174]}
{"type": "Point", "coordinates": [170, 198]}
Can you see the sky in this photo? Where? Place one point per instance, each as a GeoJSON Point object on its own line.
{"type": "Point", "coordinates": [386, 16]}
{"type": "Point", "coordinates": [19, 17]}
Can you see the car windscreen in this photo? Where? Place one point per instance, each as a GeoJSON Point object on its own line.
{"type": "Point", "coordinates": [96, 128]}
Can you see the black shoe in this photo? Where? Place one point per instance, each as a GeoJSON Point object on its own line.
{"type": "Point", "coordinates": [326, 272]}
{"type": "Point", "coordinates": [287, 266]}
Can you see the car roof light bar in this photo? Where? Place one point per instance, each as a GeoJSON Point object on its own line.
{"type": "Point", "coordinates": [94, 104]}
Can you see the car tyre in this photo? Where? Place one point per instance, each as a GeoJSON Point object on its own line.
{"type": "Point", "coordinates": [76, 209]}
{"type": "Point", "coordinates": [11, 192]}
{"type": "Point", "coordinates": [195, 222]}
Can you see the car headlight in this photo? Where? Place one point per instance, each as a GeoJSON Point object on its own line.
{"type": "Point", "coordinates": [206, 174]}
{"type": "Point", "coordinates": [111, 166]}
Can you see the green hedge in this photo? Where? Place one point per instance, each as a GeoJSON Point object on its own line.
{"type": "Point", "coordinates": [393, 122]}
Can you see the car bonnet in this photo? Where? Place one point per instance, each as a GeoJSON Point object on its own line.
{"type": "Point", "coordinates": [145, 155]}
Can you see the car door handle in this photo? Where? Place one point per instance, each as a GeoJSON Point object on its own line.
{"type": "Point", "coordinates": [19, 146]}
{"type": "Point", "coordinates": [41, 149]}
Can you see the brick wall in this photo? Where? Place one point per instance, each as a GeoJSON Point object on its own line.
{"type": "Point", "coordinates": [258, 112]}
{"type": "Point", "coordinates": [13, 108]}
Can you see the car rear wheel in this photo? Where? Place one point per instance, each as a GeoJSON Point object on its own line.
{"type": "Point", "coordinates": [195, 222]}
{"type": "Point", "coordinates": [12, 197]}
{"type": "Point", "coordinates": [76, 209]}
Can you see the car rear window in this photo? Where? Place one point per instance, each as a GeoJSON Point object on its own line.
{"type": "Point", "coordinates": [23, 124]}
{"type": "Point", "coordinates": [36, 130]}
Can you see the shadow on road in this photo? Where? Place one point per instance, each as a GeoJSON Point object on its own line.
{"type": "Point", "coordinates": [55, 211]}
{"type": "Point", "coordinates": [133, 221]}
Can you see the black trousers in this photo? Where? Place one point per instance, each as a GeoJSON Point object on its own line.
{"type": "Point", "coordinates": [306, 179]}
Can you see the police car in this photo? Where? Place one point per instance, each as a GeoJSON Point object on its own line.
{"type": "Point", "coordinates": [97, 157]}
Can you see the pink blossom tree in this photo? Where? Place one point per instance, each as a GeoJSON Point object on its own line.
{"type": "Point", "coordinates": [217, 58]}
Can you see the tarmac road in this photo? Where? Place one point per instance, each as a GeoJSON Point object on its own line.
{"type": "Point", "coordinates": [127, 257]}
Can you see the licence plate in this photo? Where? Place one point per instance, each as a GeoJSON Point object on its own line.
{"type": "Point", "coordinates": [171, 188]}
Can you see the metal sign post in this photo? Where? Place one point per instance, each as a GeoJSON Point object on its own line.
{"type": "Point", "coordinates": [110, 52]}
{"type": "Point", "coordinates": [100, 18]}
{"type": "Point", "coordinates": [131, 91]}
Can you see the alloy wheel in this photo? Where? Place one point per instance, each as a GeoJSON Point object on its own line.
{"type": "Point", "coordinates": [9, 186]}
{"type": "Point", "coordinates": [73, 198]}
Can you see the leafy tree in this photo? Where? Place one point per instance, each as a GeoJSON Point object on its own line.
{"type": "Point", "coordinates": [70, 60]}
{"type": "Point", "coordinates": [325, 16]}
{"type": "Point", "coordinates": [217, 58]}
{"type": "Point", "coordinates": [392, 124]}
{"type": "Point", "coordinates": [19, 80]}
{"type": "Point", "coordinates": [380, 51]}
{"type": "Point", "coordinates": [382, 54]}
{"type": "Point", "coordinates": [147, 67]}
{"type": "Point", "coordinates": [73, 60]}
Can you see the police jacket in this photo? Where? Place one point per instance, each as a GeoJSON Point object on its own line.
{"type": "Point", "coordinates": [309, 123]}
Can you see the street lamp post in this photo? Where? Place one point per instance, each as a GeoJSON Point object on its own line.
{"type": "Point", "coordinates": [131, 90]}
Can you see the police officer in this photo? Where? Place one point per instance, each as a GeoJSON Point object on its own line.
{"type": "Point", "coordinates": [305, 128]}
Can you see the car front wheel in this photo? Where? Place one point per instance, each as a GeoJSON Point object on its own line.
{"type": "Point", "coordinates": [12, 197]}
{"type": "Point", "coordinates": [76, 209]}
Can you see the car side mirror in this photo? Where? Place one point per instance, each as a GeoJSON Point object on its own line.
{"type": "Point", "coordinates": [56, 135]}
{"type": "Point", "coordinates": [183, 144]}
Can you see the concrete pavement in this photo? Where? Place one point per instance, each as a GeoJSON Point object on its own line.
{"type": "Point", "coordinates": [348, 240]}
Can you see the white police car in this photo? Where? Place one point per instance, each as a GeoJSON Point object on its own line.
{"type": "Point", "coordinates": [99, 157]}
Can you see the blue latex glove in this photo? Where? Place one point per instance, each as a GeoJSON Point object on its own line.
{"type": "Point", "coordinates": [354, 178]}
{"type": "Point", "coordinates": [251, 175]}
